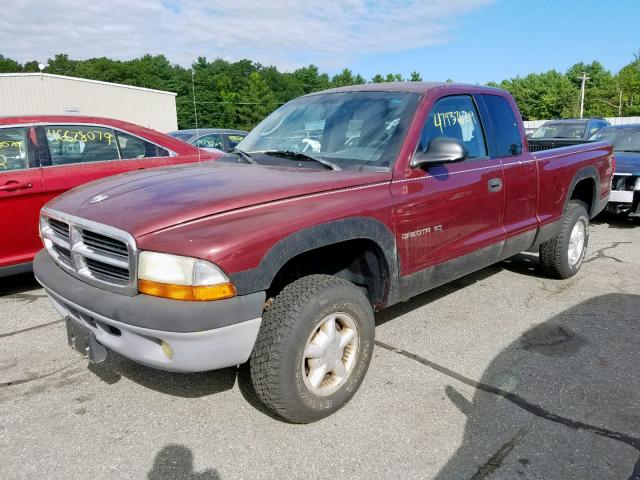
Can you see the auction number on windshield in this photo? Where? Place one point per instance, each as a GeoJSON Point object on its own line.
{"type": "Point", "coordinates": [11, 144]}
{"type": "Point", "coordinates": [444, 120]}
{"type": "Point", "coordinates": [80, 135]}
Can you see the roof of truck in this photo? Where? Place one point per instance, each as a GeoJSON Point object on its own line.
{"type": "Point", "coordinates": [413, 87]}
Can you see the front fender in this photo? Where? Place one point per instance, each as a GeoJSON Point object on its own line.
{"type": "Point", "coordinates": [310, 238]}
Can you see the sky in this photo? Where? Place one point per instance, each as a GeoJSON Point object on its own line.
{"type": "Point", "coordinates": [471, 41]}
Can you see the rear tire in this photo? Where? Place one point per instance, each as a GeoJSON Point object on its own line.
{"type": "Point", "coordinates": [562, 256]}
{"type": "Point", "coordinates": [313, 349]}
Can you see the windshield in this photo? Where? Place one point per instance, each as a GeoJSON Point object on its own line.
{"type": "Point", "coordinates": [351, 129]}
{"type": "Point", "coordinates": [622, 139]}
{"type": "Point", "coordinates": [560, 130]}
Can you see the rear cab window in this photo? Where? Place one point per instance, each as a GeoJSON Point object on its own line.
{"type": "Point", "coordinates": [14, 154]}
{"type": "Point", "coordinates": [508, 140]}
{"type": "Point", "coordinates": [70, 144]}
{"type": "Point", "coordinates": [455, 117]}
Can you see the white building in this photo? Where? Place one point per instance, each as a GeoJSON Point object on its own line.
{"type": "Point", "coordinates": [45, 94]}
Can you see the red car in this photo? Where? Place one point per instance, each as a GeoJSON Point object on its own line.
{"type": "Point", "coordinates": [43, 156]}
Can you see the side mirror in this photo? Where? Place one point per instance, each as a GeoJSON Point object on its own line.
{"type": "Point", "coordinates": [441, 150]}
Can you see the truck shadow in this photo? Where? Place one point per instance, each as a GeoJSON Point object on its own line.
{"type": "Point", "coordinates": [186, 385]}
{"type": "Point", "coordinates": [18, 284]}
{"type": "Point", "coordinates": [616, 221]}
{"type": "Point", "coordinates": [562, 401]}
{"type": "Point", "coordinates": [423, 299]}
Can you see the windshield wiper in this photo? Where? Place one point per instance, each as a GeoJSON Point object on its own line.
{"type": "Point", "coordinates": [303, 157]}
{"type": "Point", "coordinates": [628, 151]}
{"type": "Point", "coordinates": [244, 155]}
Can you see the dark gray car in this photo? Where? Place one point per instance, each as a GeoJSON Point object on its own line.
{"type": "Point", "coordinates": [224, 139]}
{"type": "Point", "coordinates": [570, 128]}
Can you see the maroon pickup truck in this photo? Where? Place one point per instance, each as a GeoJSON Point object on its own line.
{"type": "Point", "coordinates": [338, 204]}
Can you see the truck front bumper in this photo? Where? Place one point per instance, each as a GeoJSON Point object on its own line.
{"type": "Point", "coordinates": [625, 195]}
{"type": "Point", "coordinates": [201, 335]}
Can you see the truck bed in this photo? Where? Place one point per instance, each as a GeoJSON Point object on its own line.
{"type": "Point", "coordinates": [538, 145]}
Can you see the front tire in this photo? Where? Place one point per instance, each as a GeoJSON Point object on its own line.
{"type": "Point", "coordinates": [562, 256]}
{"type": "Point", "coordinates": [313, 349]}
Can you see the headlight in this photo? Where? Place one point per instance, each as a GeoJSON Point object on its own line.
{"type": "Point", "coordinates": [181, 278]}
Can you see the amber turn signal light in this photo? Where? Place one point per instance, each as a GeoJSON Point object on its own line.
{"type": "Point", "coordinates": [187, 292]}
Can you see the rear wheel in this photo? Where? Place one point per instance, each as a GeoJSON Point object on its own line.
{"type": "Point", "coordinates": [562, 256]}
{"type": "Point", "coordinates": [313, 349]}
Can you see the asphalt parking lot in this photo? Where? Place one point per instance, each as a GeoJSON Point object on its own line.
{"type": "Point", "coordinates": [501, 374]}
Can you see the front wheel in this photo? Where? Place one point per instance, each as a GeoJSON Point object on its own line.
{"type": "Point", "coordinates": [313, 348]}
{"type": "Point", "coordinates": [562, 256]}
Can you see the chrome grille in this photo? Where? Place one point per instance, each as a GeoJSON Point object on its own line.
{"type": "Point", "coordinates": [104, 244]}
{"type": "Point", "coordinates": [98, 254]}
{"type": "Point", "coordinates": [59, 227]}
{"type": "Point", "coordinates": [108, 271]}
{"type": "Point", "coordinates": [64, 253]}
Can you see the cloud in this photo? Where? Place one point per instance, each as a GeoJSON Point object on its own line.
{"type": "Point", "coordinates": [285, 33]}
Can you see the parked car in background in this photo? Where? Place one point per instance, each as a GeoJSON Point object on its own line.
{"type": "Point", "coordinates": [562, 133]}
{"type": "Point", "coordinates": [43, 156]}
{"type": "Point", "coordinates": [529, 131]}
{"type": "Point", "coordinates": [625, 188]}
{"type": "Point", "coordinates": [280, 254]}
{"type": "Point", "coordinates": [222, 139]}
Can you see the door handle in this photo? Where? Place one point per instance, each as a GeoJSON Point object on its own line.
{"type": "Point", "coordinates": [494, 184]}
{"type": "Point", "coordinates": [12, 185]}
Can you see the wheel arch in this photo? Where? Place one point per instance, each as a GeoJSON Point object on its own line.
{"type": "Point", "coordinates": [585, 187]}
{"type": "Point", "coordinates": [367, 230]}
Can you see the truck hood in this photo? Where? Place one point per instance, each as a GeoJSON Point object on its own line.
{"type": "Point", "coordinates": [628, 162]}
{"type": "Point", "coordinates": [147, 201]}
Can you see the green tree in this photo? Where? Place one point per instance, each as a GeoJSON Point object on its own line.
{"type": "Point", "coordinates": [62, 65]}
{"type": "Point", "coordinates": [346, 78]}
{"type": "Point", "coordinates": [542, 96]}
{"type": "Point", "coordinates": [31, 66]}
{"type": "Point", "coordinates": [415, 76]}
{"type": "Point", "coordinates": [8, 65]}
{"type": "Point", "coordinates": [256, 102]}
{"type": "Point", "coordinates": [310, 80]}
{"type": "Point", "coordinates": [628, 83]}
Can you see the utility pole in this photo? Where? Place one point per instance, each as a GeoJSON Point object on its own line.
{"type": "Point", "coordinates": [584, 79]}
{"type": "Point", "coordinates": [620, 104]}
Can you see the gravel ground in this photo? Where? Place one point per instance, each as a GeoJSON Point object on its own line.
{"type": "Point", "coordinates": [501, 374]}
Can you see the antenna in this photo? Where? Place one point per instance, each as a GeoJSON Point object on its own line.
{"type": "Point", "coordinates": [584, 79]}
{"type": "Point", "coordinates": [195, 109]}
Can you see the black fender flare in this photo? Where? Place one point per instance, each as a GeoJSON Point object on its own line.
{"type": "Point", "coordinates": [310, 238]}
{"type": "Point", "coordinates": [588, 172]}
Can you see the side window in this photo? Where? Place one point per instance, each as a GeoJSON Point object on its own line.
{"type": "Point", "coordinates": [80, 143]}
{"type": "Point", "coordinates": [455, 117]}
{"type": "Point", "coordinates": [135, 147]}
{"type": "Point", "coordinates": [234, 140]}
{"type": "Point", "coordinates": [210, 141]}
{"type": "Point", "coordinates": [13, 149]}
{"type": "Point", "coordinates": [505, 126]}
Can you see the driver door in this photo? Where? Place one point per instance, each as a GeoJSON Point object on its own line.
{"type": "Point", "coordinates": [449, 216]}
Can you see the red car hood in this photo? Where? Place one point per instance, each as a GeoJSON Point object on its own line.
{"type": "Point", "coordinates": [146, 201]}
